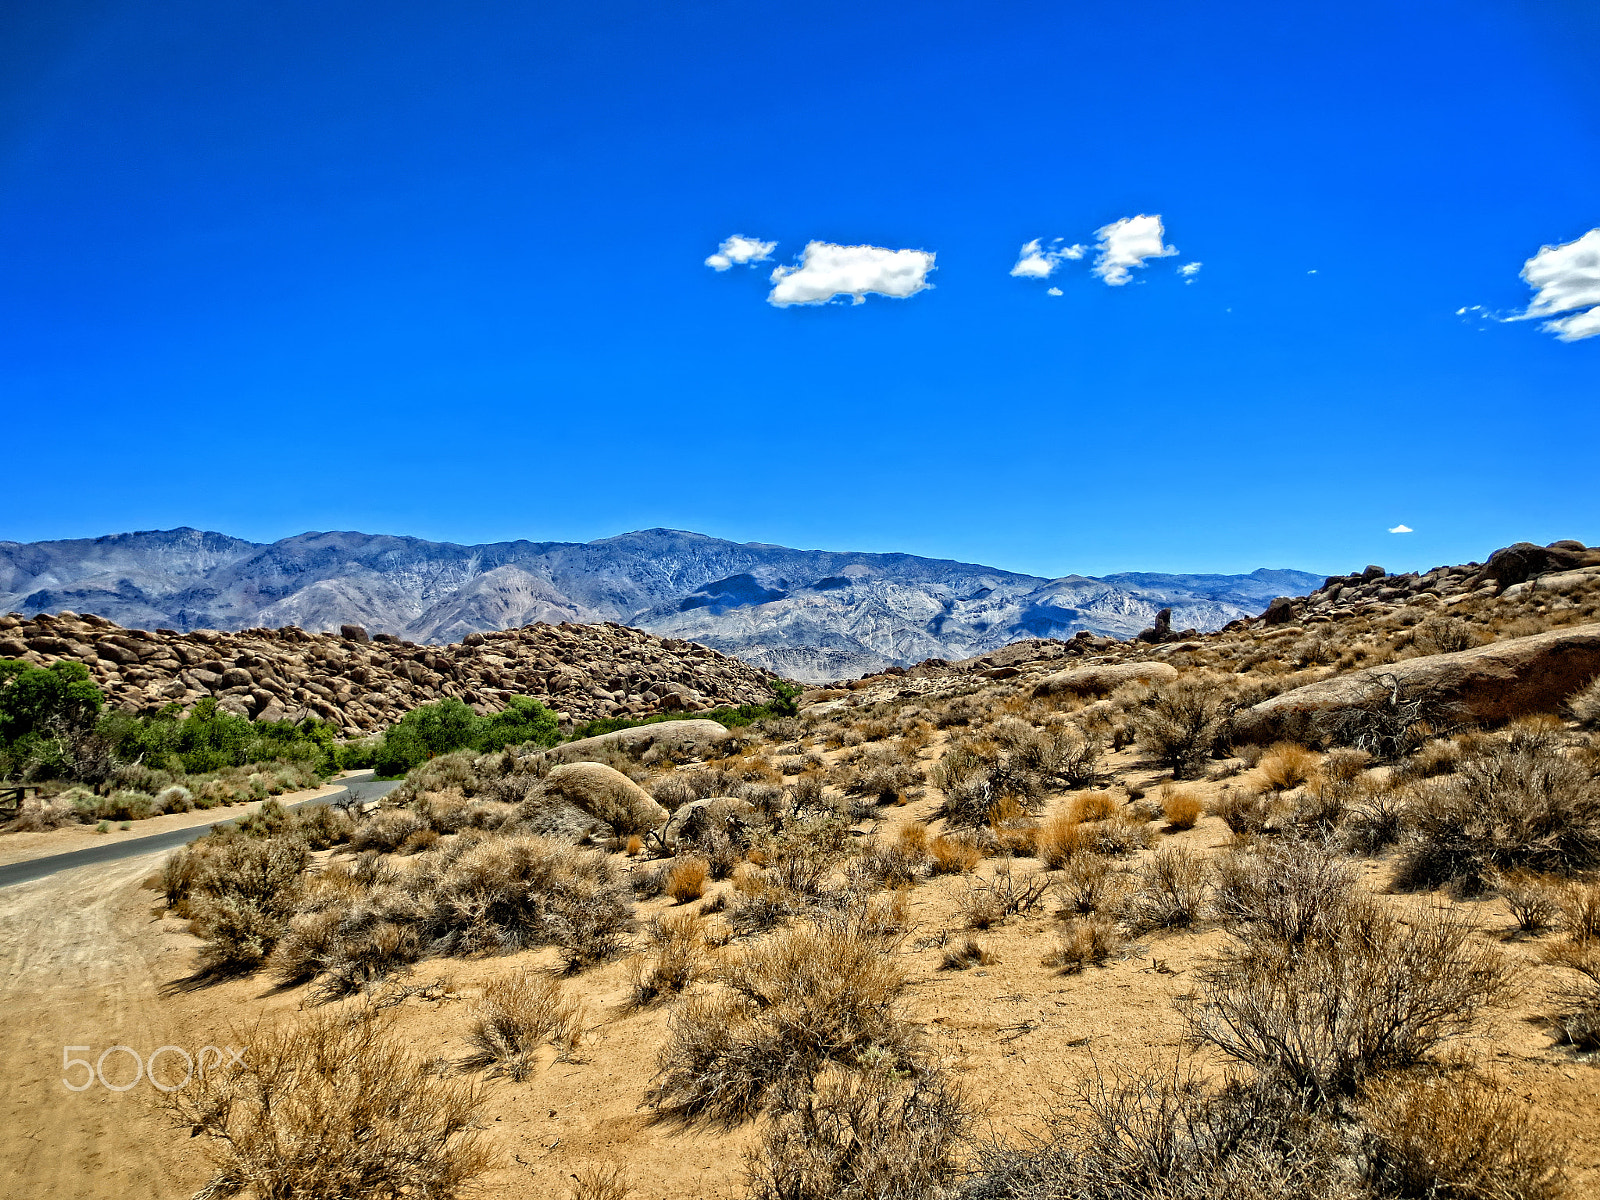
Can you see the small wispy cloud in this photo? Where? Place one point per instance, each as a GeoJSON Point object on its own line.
{"type": "Point", "coordinates": [1036, 260]}
{"type": "Point", "coordinates": [827, 270]}
{"type": "Point", "coordinates": [1055, 291]}
{"type": "Point", "coordinates": [1401, 529]}
{"type": "Point", "coordinates": [1190, 270]}
{"type": "Point", "coordinates": [740, 249]}
{"type": "Point", "coordinates": [1566, 279]}
{"type": "Point", "coordinates": [1126, 244]}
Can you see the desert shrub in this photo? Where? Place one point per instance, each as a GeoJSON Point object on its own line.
{"type": "Point", "coordinates": [1181, 807]}
{"type": "Point", "coordinates": [1168, 892]}
{"type": "Point", "coordinates": [1287, 766]}
{"type": "Point", "coordinates": [509, 893]}
{"type": "Point", "coordinates": [1580, 911]}
{"type": "Point", "coordinates": [677, 947]}
{"type": "Point", "coordinates": [964, 956]}
{"type": "Point", "coordinates": [1182, 723]}
{"type": "Point", "coordinates": [387, 830]}
{"type": "Point", "coordinates": [986, 904]}
{"type": "Point", "coordinates": [599, 1181]}
{"type": "Point", "coordinates": [517, 1015]}
{"type": "Point", "coordinates": [809, 997]}
{"type": "Point", "coordinates": [1085, 943]}
{"type": "Point", "coordinates": [1062, 754]}
{"type": "Point", "coordinates": [862, 1135]}
{"type": "Point", "coordinates": [1363, 994]}
{"type": "Point", "coordinates": [1577, 1018]}
{"type": "Point", "coordinates": [1087, 884]}
{"type": "Point", "coordinates": [1126, 831]}
{"type": "Point", "coordinates": [1455, 1137]}
{"type": "Point", "coordinates": [331, 1108]}
{"type": "Point", "coordinates": [1533, 902]}
{"type": "Point", "coordinates": [1167, 1136]}
{"type": "Point", "coordinates": [1377, 823]}
{"type": "Point", "coordinates": [1287, 893]}
{"type": "Point", "coordinates": [1245, 813]}
{"type": "Point", "coordinates": [1585, 705]}
{"type": "Point", "coordinates": [893, 865]}
{"type": "Point", "coordinates": [1505, 808]}
{"type": "Point", "coordinates": [687, 879]}
{"type": "Point", "coordinates": [174, 798]}
{"type": "Point", "coordinates": [882, 775]}
{"type": "Point", "coordinates": [241, 894]}
{"type": "Point", "coordinates": [320, 826]}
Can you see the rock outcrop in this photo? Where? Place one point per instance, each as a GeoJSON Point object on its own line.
{"type": "Point", "coordinates": [606, 794]}
{"type": "Point", "coordinates": [1485, 685]}
{"type": "Point", "coordinates": [1097, 681]}
{"type": "Point", "coordinates": [362, 685]}
{"type": "Point", "coordinates": [676, 739]}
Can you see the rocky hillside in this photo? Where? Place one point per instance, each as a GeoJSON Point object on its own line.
{"type": "Point", "coordinates": [805, 614]}
{"type": "Point", "coordinates": [1518, 591]}
{"type": "Point", "coordinates": [363, 684]}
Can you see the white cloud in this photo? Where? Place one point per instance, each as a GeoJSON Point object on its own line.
{"type": "Point", "coordinates": [1402, 529]}
{"type": "Point", "coordinates": [827, 270]}
{"type": "Point", "coordinates": [1127, 243]}
{"type": "Point", "coordinates": [740, 249]}
{"type": "Point", "coordinates": [1190, 270]}
{"type": "Point", "coordinates": [1566, 278]}
{"type": "Point", "coordinates": [1036, 261]}
{"type": "Point", "coordinates": [1054, 292]}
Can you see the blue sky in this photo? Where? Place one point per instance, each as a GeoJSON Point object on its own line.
{"type": "Point", "coordinates": [438, 269]}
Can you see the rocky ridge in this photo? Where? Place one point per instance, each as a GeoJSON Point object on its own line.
{"type": "Point", "coordinates": [1563, 573]}
{"type": "Point", "coordinates": [363, 684]}
{"type": "Point", "coordinates": [805, 614]}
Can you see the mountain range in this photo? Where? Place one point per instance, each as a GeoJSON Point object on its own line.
{"type": "Point", "coordinates": [807, 614]}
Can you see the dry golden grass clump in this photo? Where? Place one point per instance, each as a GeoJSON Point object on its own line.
{"type": "Point", "coordinates": [953, 855]}
{"type": "Point", "coordinates": [1181, 806]}
{"type": "Point", "coordinates": [1093, 806]}
{"type": "Point", "coordinates": [687, 879]}
{"type": "Point", "coordinates": [1287, 766]}
{"type": "Point", "coordinates": [330, 1108]}
{"type": "Point", "coordinates": [517, 1015]}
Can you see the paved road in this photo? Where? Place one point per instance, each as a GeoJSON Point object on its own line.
{"type": "Point", "coordinates": [357, 788]}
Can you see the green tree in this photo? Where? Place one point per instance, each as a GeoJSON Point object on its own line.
{"type": "Point", "coordinates": [45, 700]}
{"type": "Point", "coordinates": [523, 720]}
{"type": "Point", "coordinates": [426, 732]}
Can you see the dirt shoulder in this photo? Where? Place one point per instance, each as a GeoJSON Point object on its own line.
{"type": "Point", "coordinates": [82, 963]}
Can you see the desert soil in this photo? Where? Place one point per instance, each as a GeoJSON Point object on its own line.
{"type": "Point", "coordinates": [89, 959]}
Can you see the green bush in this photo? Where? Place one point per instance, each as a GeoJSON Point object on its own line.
{"type": "Point", "coordinates": [431, 730]}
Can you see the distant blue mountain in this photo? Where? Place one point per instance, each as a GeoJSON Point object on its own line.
{"type": "Point", "coordinates": [809, 614]}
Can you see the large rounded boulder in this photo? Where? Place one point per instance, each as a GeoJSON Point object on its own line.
{"type": "Point", "coordinates": [605, 794]}
{"type": "Point", "coordinates": [1097, 681]}
{"type": "Point", "coordinates": [676, 739]}
{"type": "Point", "coordinates": [1485, 685]}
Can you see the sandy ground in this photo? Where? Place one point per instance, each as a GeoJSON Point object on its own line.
{"type": "Point", "coordinates": [23, 847]}
{"type": "Point", "coordinates": [88, 956]}
{"type": "Point", "coordinates": [83, 960]}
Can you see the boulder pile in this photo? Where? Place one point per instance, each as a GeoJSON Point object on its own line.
{"type": "Point", "coordinates": [364, 684]}
{"type": "Point", "coordinates": [1512, 570]}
